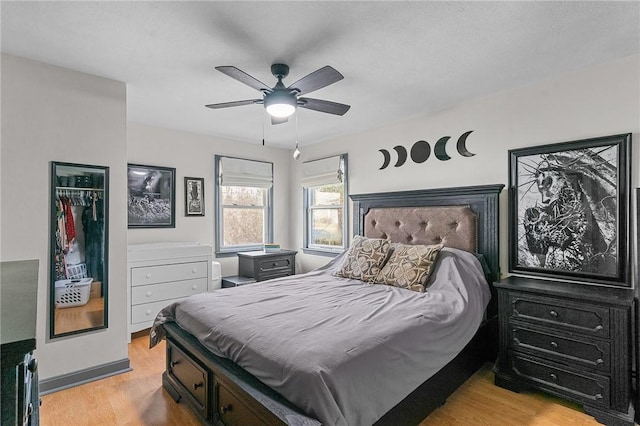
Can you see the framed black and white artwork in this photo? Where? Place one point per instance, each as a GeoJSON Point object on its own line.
{"type": "Point", "coordinates": [193, 196]}
{"type": "Point", "coordinates": [569, 210]}
{"type": "Point", "coordinates": [152, 191]}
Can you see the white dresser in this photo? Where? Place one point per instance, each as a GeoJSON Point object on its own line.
{"type": "Point", "coordinates": [159, 274]}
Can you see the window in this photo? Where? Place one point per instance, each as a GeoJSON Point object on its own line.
{"type": "Point", "coordinates": [243, 198]}
{"type": "Point", "coordinates": [325, 195]}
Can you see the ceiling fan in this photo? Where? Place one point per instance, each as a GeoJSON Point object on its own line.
{"type": "Point", "coordinates": [280, 101]}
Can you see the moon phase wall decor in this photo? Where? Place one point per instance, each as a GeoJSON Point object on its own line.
{"type": "Point", "coordinates": [421, 151]}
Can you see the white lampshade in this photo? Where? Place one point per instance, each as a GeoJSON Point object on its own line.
{"type": "Point", "coordinates": [280, 103]}
{"type": "Point", "coordinates": [280, 110]}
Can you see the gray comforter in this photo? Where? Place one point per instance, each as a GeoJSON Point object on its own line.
{"type": "Point", "coordinates": [341, 350]}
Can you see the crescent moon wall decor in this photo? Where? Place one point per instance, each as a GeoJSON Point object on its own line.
{"type": "Point", "coordinates": [402, 155]}
{"type": "Point", "coordinates": [462, 145]}
{"type": "Point", "coordinates": [421, 151]}
{"type": "Point", "coordinates": [387, 158]}
{"type": "Point", "coordinates": [439, 150]}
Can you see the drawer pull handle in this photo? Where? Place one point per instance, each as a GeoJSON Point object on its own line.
{"type": "Point", "coordinates": [599, 361]}
{"type": "Point", "coordinates": [194, 287]}
{"type": "Point", "coordinates": [598, 328]}
{"type": "Point", "coordinates": [147, 276]}
{"type": "Point", "coordinates": [553, 313]}
{"type": "Point", "coordinates": [148, 312]}
{"type": "Point", "coordinates": [197, 385]}
{"type": "Point", "coordinates": [174, 363]}
{"type": "Point", "coordinates": [227, 409]}
{"type": "Point", "coordinates": [33, 365]}
{"type": "Point", "coordinates": [553, 377]}
{"type": "Point", "coordinates": [194, 270]}
{"type": "Point", "coordinates": [598, 396]}
{"type": "Point", "coordinates": [148, 294]}
{"type": "Point", "coordinates": [554, 345]}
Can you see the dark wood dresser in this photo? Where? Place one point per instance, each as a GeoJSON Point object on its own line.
{"type": "Point", "coordinates": [261, 266]}
{"type": "Point", "coordinates": [18, 295]}
{"type": "Point", "coordinates": [571, 340]}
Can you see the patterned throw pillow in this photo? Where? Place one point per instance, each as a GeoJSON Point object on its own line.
{"type": "Point", "coordinates": [365, 258]}
{"type": "Point", "coordinates": [409, 267]}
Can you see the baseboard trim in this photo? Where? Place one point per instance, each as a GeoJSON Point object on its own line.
{"type": "Point", "coordinates": [65, 381]}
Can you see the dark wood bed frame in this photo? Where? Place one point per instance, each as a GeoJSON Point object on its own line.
{"type": "Point", "coordinates": [222, 393]}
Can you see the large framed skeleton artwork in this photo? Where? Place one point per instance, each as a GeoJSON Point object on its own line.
{"type": "Point", "coordinates": [569, 210]}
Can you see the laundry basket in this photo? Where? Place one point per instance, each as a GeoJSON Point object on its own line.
{"type": "Point", "coordinates": [74, 292]}
{"type": "Point", "coordinates": [77, 271]}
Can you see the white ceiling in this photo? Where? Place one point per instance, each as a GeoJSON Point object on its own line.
{"type": "Point", "coordinates": [399, 59]}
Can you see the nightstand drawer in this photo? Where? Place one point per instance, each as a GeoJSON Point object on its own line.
{"type": "Point", "coordinates": [571, 349]}
{"type": "Point", "coordinates": [274, 275]}
{"type": "Point", "coordinates": [275, 264]}
{"type": "Point", "coordinates": [583, 317]}
{"type": "Point", "coordinates": [591, 389]}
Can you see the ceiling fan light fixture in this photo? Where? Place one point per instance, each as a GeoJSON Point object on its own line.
{"type": "Point", "coordinates": [280, 105]}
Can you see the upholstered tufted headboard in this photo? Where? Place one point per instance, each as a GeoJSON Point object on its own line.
{"type": "Point", "coordinates": [462, 217]}
{"type": "Point", "coordinates": [453, 226]}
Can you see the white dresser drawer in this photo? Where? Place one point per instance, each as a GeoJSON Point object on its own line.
{"type": "Point", "coordinates": [155, 292]}
{"type": "Point", "coordinates": [166, 273]}
{"type": "Point", "coordinates": [147, 312]}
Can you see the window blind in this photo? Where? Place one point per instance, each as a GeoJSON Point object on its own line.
{"type": "Point", "coordinates": [322, 172]}
{"type": "Point", "coordinates": [239, 172]}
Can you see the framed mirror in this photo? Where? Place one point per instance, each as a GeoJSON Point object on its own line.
{"type": "Point", "coordinates": [78, 248]}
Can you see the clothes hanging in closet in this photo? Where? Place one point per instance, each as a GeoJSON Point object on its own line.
{"type": "Point", "coordinates": [93, 225]}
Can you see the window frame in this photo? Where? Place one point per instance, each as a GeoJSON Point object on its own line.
{"type": "Point", "coordinates": [227, 251]}
{"type": "Point", "coordinates": [320, 250]}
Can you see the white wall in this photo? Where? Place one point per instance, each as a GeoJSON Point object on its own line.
{"type": "Point", "coordinates": [54, 114]}
{"type": "Point", "coordinates": [599, 101]}
{"type": "Point", "coordinates": [193, 155]}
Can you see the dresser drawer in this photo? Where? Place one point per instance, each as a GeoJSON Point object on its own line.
{"type": "Point", "coordinates": [147, 312]}
{"type": "Point", "coordinates": [233, 412]}
{"type": "Point", "coordinates": [569, 349]}
{"type": "Point", "coordinates": [166, 273]}
{"type": "Point", "coordinates": [582, 318]}
{"type": "Point", "coordinates": [190, 375]}
{"type": "Point", "coordinates": [586, 388]}
{"type": "Point", "coordinates": [165, 291]}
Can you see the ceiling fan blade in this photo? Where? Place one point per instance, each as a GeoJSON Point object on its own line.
{"type": "Point", "coordinates": [279, 120]}
{"type": "Point", "coordinates": [323, 106]}
{"type": "Point", "coordinates": [317, 80]}
{"type": "Point", "coordinates": [243, 77]}
{"type": "Point", "coordinates": [233, 104]}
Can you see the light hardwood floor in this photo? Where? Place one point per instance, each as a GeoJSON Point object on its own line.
{"type": "Point", "coordinates": [137, 398]}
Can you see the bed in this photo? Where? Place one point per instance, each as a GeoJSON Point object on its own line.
{"type": "Point", "coordinates": [342, 351]}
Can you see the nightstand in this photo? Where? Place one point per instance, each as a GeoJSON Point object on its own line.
{"type": "Point", "coordinates": [236, 280]}
{"type": "Point", "coordinates": [265, 266]}
{"type": "Point", "coordinates": [571, 340]}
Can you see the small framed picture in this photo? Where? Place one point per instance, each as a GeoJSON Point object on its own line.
{"type": "Point", "coordinates": [152, 192]}
{"type": "Point", "coordinates": [193, 196]}
{"type": "Point", "coordinates": [569, 210]}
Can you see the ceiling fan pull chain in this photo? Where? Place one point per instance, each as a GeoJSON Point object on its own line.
{"type": "Point", "coordinates": [296, 152]}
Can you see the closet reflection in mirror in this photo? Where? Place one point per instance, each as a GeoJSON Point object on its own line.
{"type": "Point", "coordinates": [78, 248]}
